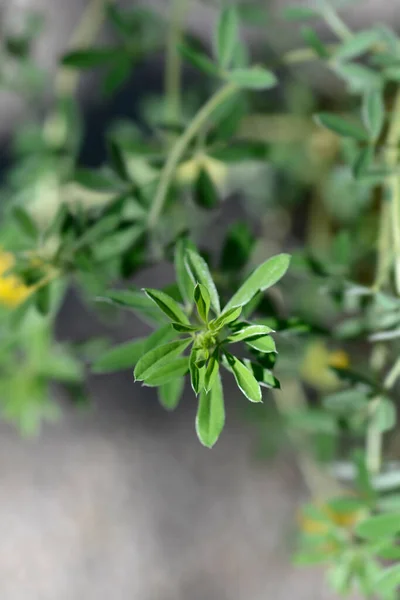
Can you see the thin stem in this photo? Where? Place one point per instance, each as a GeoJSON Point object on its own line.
{"type": "Point", "coordinates": [173, 65]}
{"type": "Point", "coordinates": [335, 22]}
{"type": "Point", "coordinates": [384, 253]}
{"type": "Point", "coordinates": [373, 450]}
{"type": "Point", "coordinates": [392, 185]}
{"type": "Point", "coordinates": [180, 146]}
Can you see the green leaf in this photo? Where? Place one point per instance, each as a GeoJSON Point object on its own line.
{"type": "Point", "coordinates": [196, 371]}
{"type": "Point", "coordinates": [25, 222]}
{"type": "Point", "coordinates": [185, 328]}
{"type": "Point", "coordinates": [202, 300]}
{"type": "Point", "coordinates": [103, 227]}
{"type": "Point", "coordinates": [345, 402]}
{"type": "Point", "coordinates": [254, 78]}
{"type": "Point", "coordinates": [199, 60]}
{"type": "Point", "coordinates": [249, 331]}
{"type": "Point", "coordinates": [312, 39]}
{"type": "Point", "coordinates": [265, 377]}
{"type": "Point", "coordinates": [160, 336]}
{"type": "Point", "coordinates": [261, 279]}
{"type": "Point", "coordinates": [170, 393]}
{"type": "Point", "coordinates": [43, 300]}
{"type": "Point", "coordinates": [237, 247]}
{"type": "Point", "coordinates": [300, 13]}
{"type": "Point", "coordinates": [227, 317]}
{"type": "Point", "coordinates": [359, 77]}
{"type": "Point", "coordinates": [200, 273]}
{"type": "Point", "coordinates": [165, 372]}
{"type": "Point", "coordinates": [384, 417]}
{"type": "Point", "coordinates": [363, 161]}
{"type": "Point", "coordinates": [357, 44]}
{"type": "Point", "coordinates": [245, 379]}
{"type": "Point", "coordinates": [210, 417]}
{"type": "Point", "coordinates": [262, 344]}
{"type": "Point", "coordinates": [116, 244]}
{"type": "Point", "coordinates": [120, 357]}
{"type": "Point", "coordinates": [88, 59]}
{"type": "Point", "coordinates": [392, 73]}
{"type": "Point", "coordinates": [205, 192]}
{"type": "Point", "coordinates": [226, 36]}
{"type": "Point", "coordinates": [156, 357]}
{"type": "Point", "coordinates": [379, 527]}
{"type": "Point", "coordinates": [341, 126]}
{"type": "Point", "coordinates": [184, 280]}
{"type": "Point", "coordinates": [136, 301]}
{"type": "Point", "coordinates": [389, 581]}
{"type": "Point", "coordinates": [168, 306]}
{"type": "Point", "coordinates": [373, 112]}
{"type": "Point", "coordinates": [211, 373]}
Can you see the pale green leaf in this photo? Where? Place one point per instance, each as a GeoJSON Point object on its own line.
{"type": "Point", "coordinates": [211, 373]}
{"type": "Point", "coordinates": [164, 372]}
{"type": "Point", "coordinates": [262, 344]}
{"type": "Point", "coordinates": [249, 331]}
{"type": "Point", "coordinates": [226, 36]}
{"type": "Point", "coordinates": [210, 417]}
{"type": "Point", "coordinates": [227, 317]}
{"type": "Point", "coordinates": [253, 78]}
{"type": "Point", "coordinates": [357, 44]}
{"type": "Point", "coordinates": [120, 357]}
{"type": "Point", "coordinates": [154, 358]}
{"type": "Point", "coordinates": [170, 393]}
{"type": "Point", "coordinates": [185, 283]}
{"type": "Point", "coordinates": [168, 306]}
{"type": "Point", "coordinates": [245, 379]}
{"type": "Point", "coordinates": [379, 527]}
{"type": "Point", "coordinates": [200, 273]}
{"type": "Point", "coordinates": [261, 279]}
{"type": "Point", "coordinates": [373, 112]}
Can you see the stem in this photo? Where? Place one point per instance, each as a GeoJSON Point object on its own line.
{"type": "Point", "coordinates": [180, 146]}
{"type": "Point", "coordinates": [373, 450]}
{"type": "Point", "coordinates": [335, 22]}
{"type": "Point", "coordinates": [392, 185]}
{"type": "Point", "coordinates": [173, 62]}
{"type": "Point", "coordinates": [384, 254]}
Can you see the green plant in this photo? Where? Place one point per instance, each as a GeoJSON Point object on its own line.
{"type": "Point", "coordinates": [337, 326]}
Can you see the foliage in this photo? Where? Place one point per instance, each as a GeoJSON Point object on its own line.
{"type": "Point", "coordinates": [320, 178]}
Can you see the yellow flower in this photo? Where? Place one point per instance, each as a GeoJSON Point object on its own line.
{"type": "Point", "coordinates": [13, 291]}
{"type": "Point", "coordinates": [315, 368]}
{"type": "Point", "coordinates": [321, 519]}
{"type": "Point", "coordinates": [190, 170]}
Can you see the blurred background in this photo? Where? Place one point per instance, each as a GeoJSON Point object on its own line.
{"type": "Point", "coordinates": [118, 498]}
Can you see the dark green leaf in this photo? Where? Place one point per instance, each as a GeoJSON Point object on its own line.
{"type": "Point", "coordinates": [136, 301]}
{"type": "Point", "coordinates": [261, 279]}
{"type": "Point", "coordinates": [363, 161]}
{"type": "Point", "coordinates": [88, 59]}
{"type": "Point", "coordinates": [199, 60]}
{"type": "Point", "coordinates": [373, 112]}
{"type": "Point", "coordinates": [205, 192]}
{"type": "Point", "coordinates": [25, 222]}
{"type": "Point", "coordinates": [168, 306]}
{"type": "Point", "coordinates": [120, 357]}
{"type": "Point", "coordinates": [170, 393]}
{"type": "Point", "coordinates": [185, 328]}
{"type": "Point", "coordinates": [237, 248]}
{"type": "Point", "coordinates": [117, 75]}
{"type": "Point", "coordinates": [200, 273]}
{"type": "Point", "coordinates": [226, 36]}
{"type": "Point", "coordinates": [245, 379]}
{"type": "Point", "coordinates": [312, 39]}
{"type": "Point", "coordinates": [379, 527]}
{"type": "Point", "coordinates": [43, 299]}
{"type": "Point", "coordinates": [117, 243]}
{"type": "Point", "coordinates": [253, 78]}
{"type": "Point", "coordinates": [156, 357]}
{"type": "Point", "coordinates": [165, 372]}
{"type": "Point", "coordinates": [101, 228]}
{"type": "Point", "coordinates": [210, 417]}
{"type": "Point", "coordinates": [98, 180]}
{"type": "Point", "coordinates": [202, 300]}
{"type": "Point", "coordinates": [341, 126]}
